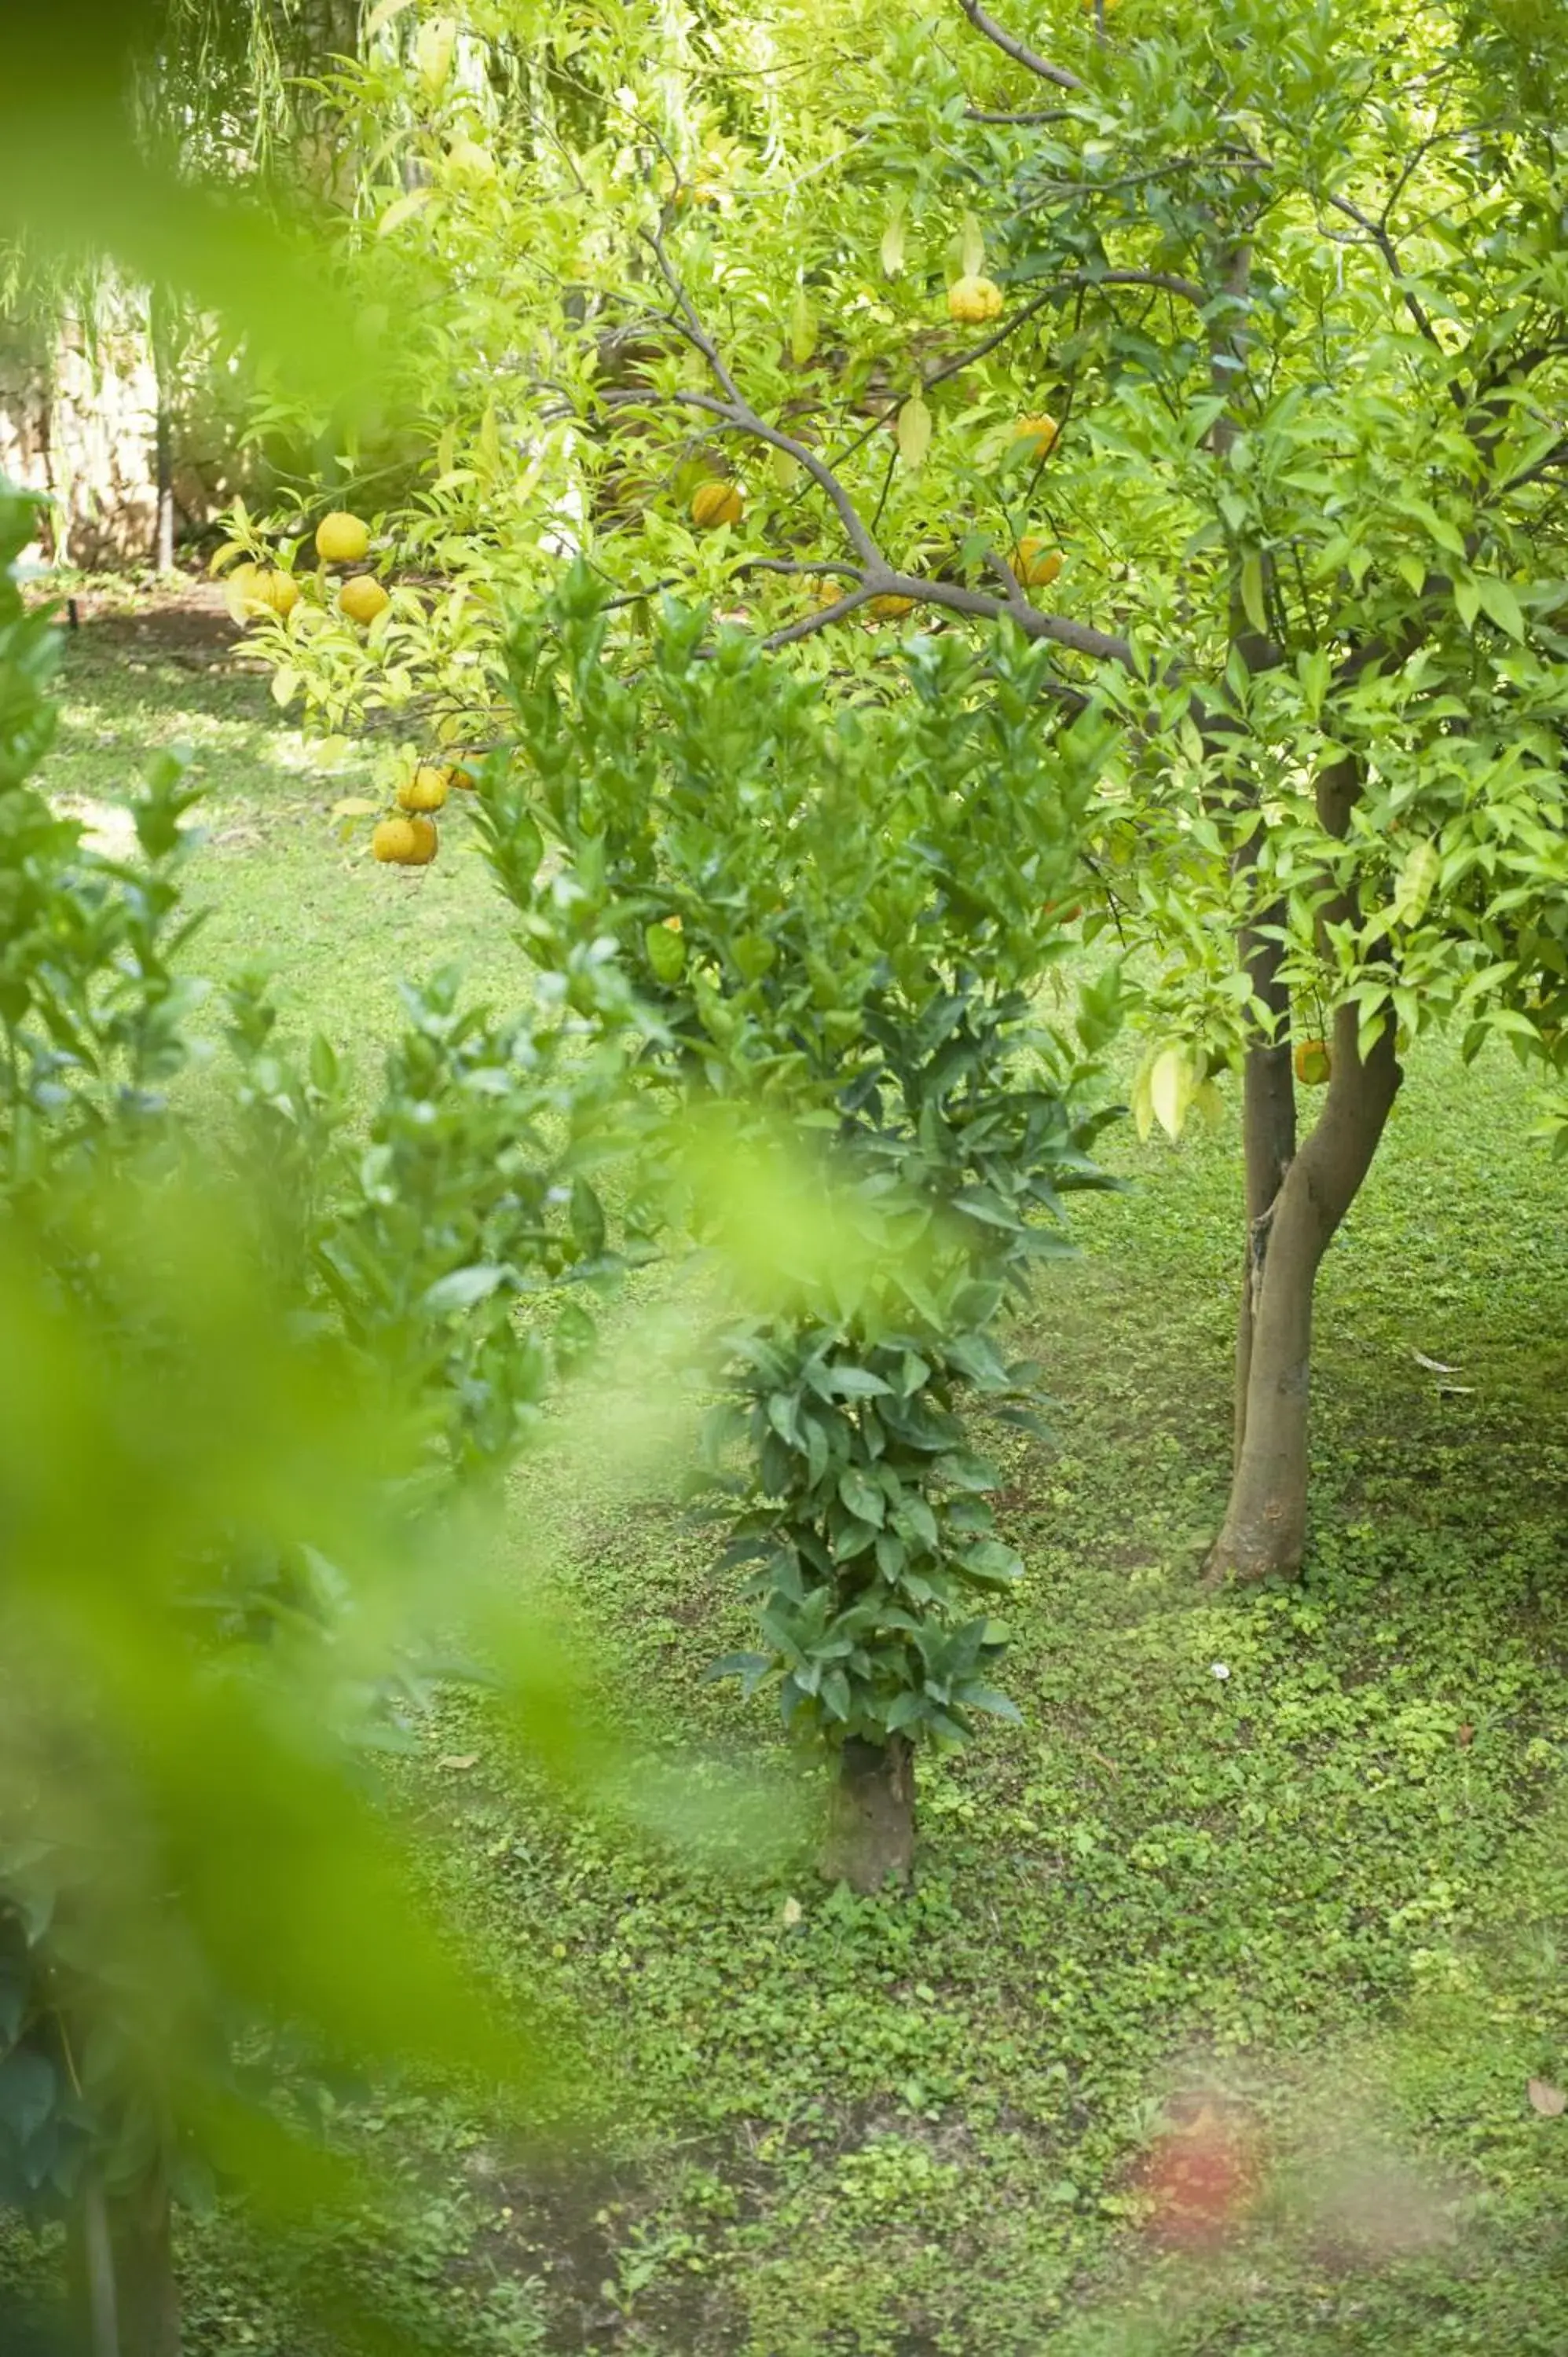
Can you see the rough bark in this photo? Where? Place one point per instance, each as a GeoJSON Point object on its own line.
{"type": "Point", "coordinates": [1265, 1531]}
{"type": "Point", "coordinates": [871, 1825]}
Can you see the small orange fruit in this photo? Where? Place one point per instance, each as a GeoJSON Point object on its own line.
{"type": "Point", "coordinates": [714, 504]}
{"type": "Point", "coordinates": [342, 539]}
{"type": "Point", "coordinates": [362, 599]}
{"type": "Point", "coordinates": [974, 302]}
{"type": "Point", "coordinates": [425, 790]}
{"type": "Point", "coordinates": [1035, 562]}
{"type": "Point", "coordinates": [890, 608]}
{"type": "Point", "coordinates": [405, 842]}
{"type": "Point", "coordinates": [1313, 1063]}
{"type": "Point", "coordinates": [1038, 436]}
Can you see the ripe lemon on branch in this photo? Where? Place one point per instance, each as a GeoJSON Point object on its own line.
{"type": "Point", "coordinates": [405, 842]}
{"type": "Point", "coordinates": [1314, 1064]}
{"type": "Point", "coordinates": [427, 790]}
{"type": "Point", "coordinates": [1035, 562]}
{"type": "Point", "coordinates": [974, 302]}
{"type": "Point", "coordinates": [714, 504]}
{"type": "Point", "coordinates": [362, 599]}
{"type": "Point", "coordinates": [342, 539]}
{"type": "Point", "coordinates": [1037, 436]}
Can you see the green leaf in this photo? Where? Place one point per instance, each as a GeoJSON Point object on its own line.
{"type": "Point", "coordinates": [862, 1497]}
{"type": "Point", "coordinates": [1253, 600]}
{"type": "Point", "coordinates": [460, 1289]}
{"type": "Point", "coordinates": [1500, 605]}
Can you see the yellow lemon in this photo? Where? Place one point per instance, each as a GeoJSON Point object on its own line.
{"type": "Point", "coordinates": [1035, 562]}
{"type": "Point", "coordinates": [405, 842]}
{"type": "Point", "coordinates": [972, 302]}
{"type": "Point", "coordinates": [342, 539]}
{"type": "Point", "coordinates": [425, 790]}
{"type": "Point", "coordinates": [280, 591]}
{"type": "Point", "coordinates": [1035, 435]}
{"type": "Point", "coordinates": [714, 504]}
{"type": "Point", "coordinates": [1314, 1064]}
{"type": "Point", "coordinates": [362, 599]}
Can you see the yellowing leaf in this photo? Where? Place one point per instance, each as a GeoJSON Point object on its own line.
{"type": "Point", "coordinates": [285, 685]}
{"type": "Point", "coordinates": [1172, 1080]}
{"type": "Point", "coordinates": [383, 14]}
{"type": "Point", "coordinates": [1142, 1104]}
{"type": "Point", "coordinates": [914, 431]}
{"type": "Point", "coordinates": [355, 806]}
{"type": "Point", "coordinates": [1416, 882]}
{"type": "Point", "coordinates": [224, 557]}
{"type": "Point", "coordinates": [893, 246]}
{"type": "Point", "coordinates": [973, 249]}
{"type": "Point", "coordinates": [782, 470]}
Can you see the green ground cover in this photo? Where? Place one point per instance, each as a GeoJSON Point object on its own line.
{"type": "Point", "coordinates": [1321, 1898]}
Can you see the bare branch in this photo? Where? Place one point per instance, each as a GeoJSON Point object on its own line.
{"type": "Point", "coordinates": [1023, 114]}
{"type": "Point", "coordinates": [1377, 232]}
{"type": "Point", "coordinates": [1019, 52]}
{"type": "Point", "coordinates": [690, 327]}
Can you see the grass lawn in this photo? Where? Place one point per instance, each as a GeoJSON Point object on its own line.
{"type": "Point", "coordinates": [1267, 1887]}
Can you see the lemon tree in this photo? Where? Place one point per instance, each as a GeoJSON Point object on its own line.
{"type": "Point", "coordinates": [1225, 365]}
{"type": "Point", "coordinates": [819, 928]}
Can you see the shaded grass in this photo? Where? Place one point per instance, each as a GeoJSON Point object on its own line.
{"type": "Point", "coordinates": [1327, 1890]}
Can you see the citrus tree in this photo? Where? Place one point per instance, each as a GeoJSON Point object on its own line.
{"type": "Point", "coordinates": [1224, 361]}
{"type": "Point", "coordinates": [822, 927]}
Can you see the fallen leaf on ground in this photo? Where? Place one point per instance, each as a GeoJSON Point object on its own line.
{"type": "Point", "coordinates": [1549, 2100]}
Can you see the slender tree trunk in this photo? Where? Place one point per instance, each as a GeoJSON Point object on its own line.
{"type": "Point", "coordinates": [94, 2296]}
{"type": "Point", "coordinates": [149, 2295]}
{"type": "Point", "coordinates": [1268, 1127]}
{"type": "Point", "coordinates": [163, 373]}
{"type": "Point", "coordinates": [1265, 1523]}
{"type": "Point", "coordinates": [871, 1825]}
{"type": "Point", "coordinates": [124, 2300]}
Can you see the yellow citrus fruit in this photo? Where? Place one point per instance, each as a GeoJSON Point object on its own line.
{"type": "Point", "coordinates": [457, 776]}
{"type": "Point", "coordinates": [362, 599]}
{"type": "Point", "coordinates": [425, 790]}
{"type": "Point", "coordinates": [972, 302]}
{"type": "Point", "coordinates": [1314, 1064]}
{"type": "Point", "coordinates": [1035, 562]}
{"type": "Point", "coordinates": [405, 842]}
{"type": "Point", "coordinates": [1037, 434]}
{"type": "Point", "coordinates": [715, 503]}
{"type": "Point", "coordinates": [280, 591]}
{"type": "Point", "coordinates": [890, 608]}
{"type": "Point", "coordinates": [342, 539]}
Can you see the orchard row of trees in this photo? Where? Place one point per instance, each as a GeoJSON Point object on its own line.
{"type": "Point", "coordinates": [900, 500]}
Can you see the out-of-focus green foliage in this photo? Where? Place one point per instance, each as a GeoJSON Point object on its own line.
{"type": "Point", "coordinates": [242, 1419]}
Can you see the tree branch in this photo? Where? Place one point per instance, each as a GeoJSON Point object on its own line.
{"type": "Point", "coordinates": [1022, 114]}
{"type": "Point", "coordinates": [1019, 52]}
{"type": "Point", "coordinates": [1076, 282]}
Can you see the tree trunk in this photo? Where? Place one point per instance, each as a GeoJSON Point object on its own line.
{"type": "Point", "coordinates": [124, 2300]}
{"type": "Point", "coordinates": [1265, 1523]}
{"type": "Point", "coordinates": [1268, 1128]}
{"type": "Point", "coordinates": [871, 1825]}
{"type": "Point", "coordinates": [163, 379]}
{"type": "Point", "coordinates": [149, 2295]}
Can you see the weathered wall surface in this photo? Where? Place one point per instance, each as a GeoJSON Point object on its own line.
{"type": "Point", "coordinates": [80, 423]}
